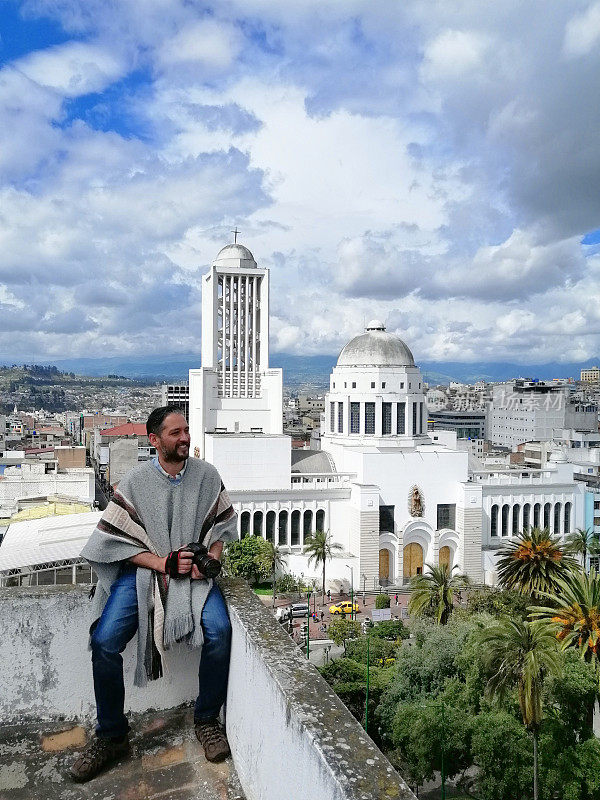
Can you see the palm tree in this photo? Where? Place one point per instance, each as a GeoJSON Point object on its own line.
{"type": "Point", "coordinates": [582, 542]}
{"type": "Point", "coordinates": [276, 559]}
{"type": "Point", "coordinates": [519, 654]}
{"type": "Point", "coordinates": [320, 549]}
{"type": "Point", "coordinates": [533, 562]}
{"type": "Point", "coordinates": [574, 616]}
{"type": "Point", "coordinates": [435, 590]}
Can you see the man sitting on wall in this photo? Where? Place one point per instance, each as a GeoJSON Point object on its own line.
{"type": "Point", "coordinates": [149, 582]}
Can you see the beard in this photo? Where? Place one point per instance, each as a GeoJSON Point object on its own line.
{"type": "Point", "coordinates": [176, 454]}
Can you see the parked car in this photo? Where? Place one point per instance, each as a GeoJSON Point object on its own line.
{"type": "Point", "coordinates": [299, 609]}
{"type": "Point", "coordinates": [344, 607]}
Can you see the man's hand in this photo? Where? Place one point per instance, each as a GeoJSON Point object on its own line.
{"type": "Point", "coordinates": [178, 563]}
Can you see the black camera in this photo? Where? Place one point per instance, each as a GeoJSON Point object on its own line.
{"type": "Point", "coordinates": [210, 567]}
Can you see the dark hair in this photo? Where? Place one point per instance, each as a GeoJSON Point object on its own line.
{"type": "Point", "coordinates": [158, 416]}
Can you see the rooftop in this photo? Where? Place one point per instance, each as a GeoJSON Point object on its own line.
{"type": "Point", "coordinates": [129, 429]}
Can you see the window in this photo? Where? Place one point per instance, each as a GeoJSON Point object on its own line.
{"type": "Point", "coordinates": [494, 521]}
{"type": "Point", "coordinates": [334, 384]}
{"type": "Point", "coordinates": [546, 515]}
{"type": "Point", "coordinates": [369, 417]}
{"type": "Point", "coordinates": [401, 421]}
{"type": "Point", "coordinates": [295, 528]}
{"type": "Point", "coordinates": [386, 418]}
{"type": "Point", "coordinates": [446, 516]}
{"type": "Point", "coordinates": [307, 528]}
{"type": "Point", "coordinates": [257, 523]}
{"type": "Point", "coordinates": [320, 520]}
{"type": "Point", "coordinates": [270, 535]}
{"type": "Point", "coordinates": [414, 419]}
{"type": "Point", "coordinates": [557, 510]}
{"type": "Point", "coordinates": [354, 417]}
{"type": "Point", "coordinates": [505, 510]}
{"type": "Point", "coordinates": [283, 527]}
{"type": "Point", "coordinates": [567, 520]}
{"type": "Point", "coordinates": [386, 519]}
{"type": "Point", "coordinates": [354, 384]}
{"type": "Point", "coordinates": [340, 417]}
{"type": "Point", "coordinates": [245, 524]}
{"type": "Point", "coordinates": [526, 515]}
{"type": "Point", "coordinates": [402, 384]}
{"type": "Point", "coordinates": [332, 417]}
{"type": "Point", "coordinates": [372, 384]}
{"type": "Point", "coordinates": [383, 385]}
{"type": "Point", "coordinates": [536, 515]}
{"type": "Point", "coordinates": [515, 519]}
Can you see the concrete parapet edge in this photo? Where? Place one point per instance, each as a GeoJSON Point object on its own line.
{"type": "Point", "coordinates": [291, 736]}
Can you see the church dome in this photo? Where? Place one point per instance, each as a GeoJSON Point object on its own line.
{"type": "Point", "coordinates": [376, 348]}
{"type": "Point", "coordinates": [235, 255]}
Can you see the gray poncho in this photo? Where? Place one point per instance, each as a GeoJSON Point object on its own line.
{"type": "Point", "coordinates": [151, 513]}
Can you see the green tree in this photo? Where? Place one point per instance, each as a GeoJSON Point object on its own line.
{"type": "Point", "coordinates": [533, 563]}
{"type": "Point", "coordinates": [575, 613]}
{"type": "Point", "coordinates": [435, 590]}
{"type": "Point", "coordinates": [277, 560]}
{"type": "Point", "coordinates": [519, 655]}
{"type": "Point", "coordinates": [379, 650]}
{"type": "Point", "coordinates": [581, 542]}
{"type": "Point", "coordinates": [340, 630]}
{"type": "Point", "coordinates": [249, 558]}
{"type": "Point", "coordinates": [502, 752]}
{"type": "Point", "coordinates": [320, 549]}
{"type": "Point", "coordinates": [382, 601]}
{"type": "Point", "coordinates": [393, 629]}
{"type": "Point", "coordinates": [498, 602]}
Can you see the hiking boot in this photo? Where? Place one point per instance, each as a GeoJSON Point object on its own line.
{"type": "Point", "coordinates": [98, 754]}
{"type": "Point", "coordinates": [212, 738]}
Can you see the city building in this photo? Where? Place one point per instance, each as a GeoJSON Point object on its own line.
{"type": "Point", "coordinates": [530, 411]}
{"type": "Point", "coordinates": [591, 375]}
{"type": "Point", "coordinates": [467, 424]}
{"type": "Point", "coordinates": [176, 394]}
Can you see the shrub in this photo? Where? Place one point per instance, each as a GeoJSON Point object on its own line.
{"type": "Point", "coordinates": [382, 601]}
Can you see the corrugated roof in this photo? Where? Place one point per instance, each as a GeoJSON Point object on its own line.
{"type": "Point", "coordinates": [129, 429]}
{"type": "Point", "coordinates": [37, 541]}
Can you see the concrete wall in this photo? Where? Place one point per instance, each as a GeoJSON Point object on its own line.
{"type": "Point", "coordinates": [291, 737]}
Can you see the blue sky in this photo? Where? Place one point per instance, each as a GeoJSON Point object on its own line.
{"type": "Point", "coordinates": [432, 164]}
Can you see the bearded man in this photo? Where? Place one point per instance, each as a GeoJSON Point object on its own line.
{"type": "Point", "coordinates": [148, 582]}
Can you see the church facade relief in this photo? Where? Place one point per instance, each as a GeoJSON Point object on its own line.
{"type": "Point", "coordinates": [416, 503]}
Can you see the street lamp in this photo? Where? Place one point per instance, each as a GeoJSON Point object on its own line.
{"type": "Point", "coordinates": [351, 590]}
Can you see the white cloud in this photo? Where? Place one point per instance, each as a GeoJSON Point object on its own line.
{"type": "Point", "coordinates": [73, 69]}
{"type": "Point", "coordinates": [582, 32]}
{"type": "Point", "coordinates": [207, 42]}
{"type": "Point", "coordinates": [453, 53]}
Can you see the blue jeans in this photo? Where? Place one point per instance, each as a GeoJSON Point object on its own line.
{"type": "Point", "coordinates": [117, 626]}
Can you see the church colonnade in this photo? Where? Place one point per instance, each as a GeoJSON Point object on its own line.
{"type": "Point", "coordinates": [508, 519]}
{"type": "Point", "coordinates": [286, 525]}
{"type": "Point", "coordinates": [377, 417]}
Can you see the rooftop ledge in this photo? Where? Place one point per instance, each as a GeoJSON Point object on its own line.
{"type": "Point", "coordinates": [290, 735]}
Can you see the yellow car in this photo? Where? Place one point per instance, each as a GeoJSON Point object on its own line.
{"type": "Point", "coordinates": [344, 607]}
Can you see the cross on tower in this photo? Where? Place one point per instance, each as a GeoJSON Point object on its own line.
{"type": "Point", "coordinates": [235, 234]}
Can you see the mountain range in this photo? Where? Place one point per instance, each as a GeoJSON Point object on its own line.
{"type": "Point", "coordinates": [315, 370]}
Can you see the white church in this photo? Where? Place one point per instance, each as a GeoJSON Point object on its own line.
{"type": "Point", "coordinates": [394, 496]}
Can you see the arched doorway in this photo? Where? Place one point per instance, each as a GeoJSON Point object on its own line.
{"type": "Point", "coordinates": [445, 556]}
{"type": "Point", "coordinates": [413, 560]}
{"type": "Point", "coordinates": [384, 567]}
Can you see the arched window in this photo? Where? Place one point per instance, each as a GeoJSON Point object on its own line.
{"type": "Point", "coordinates": [505, 511]}
{"type": "Point", "coordinates": [283, 527]}
{"type": "Point", "coordinates": [494, 521]}
{"type": "Point", "coordinates": [307, 526]}
{"type": "Point", "coordinates": [295, 528]}
{"type": "Point", "coordinates": [270, 526]}
{"type": "Point", "coordinates": [526, 515]}
{"type": "Point", "coordinates": [547, 507]}
{"type": "Point", "coordinates": [257, 523]}
{"type": "Point", "coordinates": [244, 524]}
{"type": "Point", "coordinates": [320, 520]}
{"type": "Point", "coordinates": [516, 519]}
{"type": "Point", "coordinates": [567, 521]}
{"type": "Point", "coordinates": [557, 509]}
{"type": "Point", "coordinates": [536, 515]}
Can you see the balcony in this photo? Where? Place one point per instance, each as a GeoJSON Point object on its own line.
{"type": "Point", "coordinates": [290, 736]}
